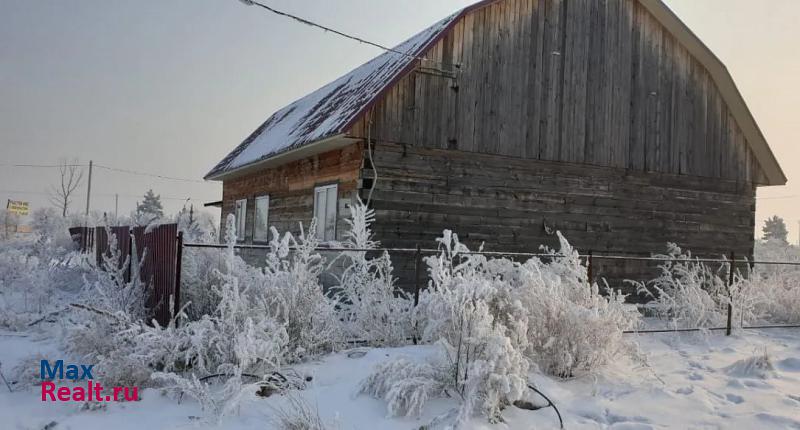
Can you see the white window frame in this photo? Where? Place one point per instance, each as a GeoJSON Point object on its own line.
{"type": "Point", "coordinates": [240, 212]}
{"type": "Point", "coordinates": [324, 234]}
{"type": "Point", "coordinates": [256, 230]}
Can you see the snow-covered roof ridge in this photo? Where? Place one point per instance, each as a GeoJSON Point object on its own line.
{"type": "Point", "coordinates": [330, 110]}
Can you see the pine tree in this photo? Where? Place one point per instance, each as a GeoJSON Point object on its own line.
{"type": "Point", "coordinates": [775, 229]}
{"type": "Point", "coordinates": [151, 205]}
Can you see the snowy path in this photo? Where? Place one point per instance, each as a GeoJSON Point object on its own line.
{"type": "Point", "coordinates": [708, 383]}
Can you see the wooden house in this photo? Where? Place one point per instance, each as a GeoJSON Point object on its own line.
{"type": "Point", "coordinates": [608, 120]}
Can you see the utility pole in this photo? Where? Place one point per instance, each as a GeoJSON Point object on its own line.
{"type": "Point", "coordinates": [89, 191]}
{"type": "Point", "coordinates": [116, 209]}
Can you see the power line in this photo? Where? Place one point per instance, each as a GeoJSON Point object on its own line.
{"type": "Point", "coordinates": [44, 165]}
{"type": "Point", "coordinates": [132, 196]}
{"type": "Point", "coordinates": [778, 197]}
{"type": "Point", "coordinates": [328, 29]}
{"type": "Point", "coordinates": [152, 175]}
{"type": "Point", "coordinates": [113, 169]}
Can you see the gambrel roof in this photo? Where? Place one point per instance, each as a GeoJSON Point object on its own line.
{"type": "Point", "coordinates": [330, 111]}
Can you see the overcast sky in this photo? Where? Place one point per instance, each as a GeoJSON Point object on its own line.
{"type": "Point", "coordinates": [171, 86]}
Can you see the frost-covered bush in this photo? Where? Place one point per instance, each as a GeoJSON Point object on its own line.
{"type": "Point", "coordinates": [36, 276]}
{"type": "Point", "coordinates": [780, 296]}
{"type": "Point", "coordinates": [779, 284]}
{"type": "Point", "coordinates": [216, 402]}
{"type": "Point", "coordinates": [370, 307]}
{"type": "Point", "coordinates": [297, 414]}
{"type": "Point", "coordinates": [110, 317]}
{"type": "Point", "coordinates": [493, 316]}
{"type": "Point", "coordinates": [199, 273]}
{"type": "Point", "coordinates": [486, 366]}
{"type": "Point", "coordinates": [688, 293]}
{"type": "Point", "coordinates": [572, 327]}
{"type": "Point", "coordinates": [549, 310]}
{"type": "Point", "coordinates": [406, 385]}
{"type": "Point", "coordinates": [294, 295]}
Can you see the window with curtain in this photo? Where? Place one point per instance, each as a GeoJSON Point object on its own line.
{"type": "Point", "coordinates": [261, 227]}
{"type": "Point", "coordinates": [241, 216]}
{"type": "Point", "coordinates": [325, 200]}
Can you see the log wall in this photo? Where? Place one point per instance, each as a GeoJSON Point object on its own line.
{"type": "Point", "coordinates": [513, 204]}
{"type": "Point", "coordinates": [291, 190]}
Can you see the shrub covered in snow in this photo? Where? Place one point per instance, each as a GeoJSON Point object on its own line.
{"type": "Point", "coordinates": [295, 297]}
{"type": "Point", "coordinates": [37, 273]}
{"type": "Point", "coordinates": [406, 385]}
{"type": "Point", "coordinates": [297, 414]}
{"type": "Point", "coordinates": [370, 307]}
{"type": "Point", "coordinates": [779, 284]}
{"type": "Point", "coordinates": [690, 293]}
{"type": "Point", "coordinates": [572, 327]}
{"type": "Point", "coordinates": [492, 317]}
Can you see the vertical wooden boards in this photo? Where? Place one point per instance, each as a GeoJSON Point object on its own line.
{"type": "Point", "coordinates": [621, 63]}
{"type": "Point", "coordinates": [639, 97]}
{"type": "Point", "coordinates": [467, 86]}
{"type": "Point", "coordinates": [599, 82]}
{"type": "Point", "coordinates": [575, 64]}
{"type": "Point", "coordinates": [598, 89]}
{"type": "Point", "coordinates": [552, 84]}
{"type": "Point", "coordinates": [534, 79]}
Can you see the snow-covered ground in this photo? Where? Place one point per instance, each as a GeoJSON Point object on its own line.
{"type": "Point", "coordinates": [690, 381]}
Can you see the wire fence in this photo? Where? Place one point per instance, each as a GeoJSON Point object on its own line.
{"type": "Point", "coordinates": [592, 261]}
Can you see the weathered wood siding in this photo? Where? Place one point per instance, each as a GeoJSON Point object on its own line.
{"type": "Point", "coordinates": [514, 204]}
{"type": "Point", "coordinates": [599, 82]}
{"type": "Point", "coordinates": [291, 189]}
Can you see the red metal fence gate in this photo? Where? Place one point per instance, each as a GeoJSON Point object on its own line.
{"type": "Point", "coordinates": [158, 253]}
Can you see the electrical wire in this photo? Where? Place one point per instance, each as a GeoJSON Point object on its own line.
{"type": "Point", "coordinates": [152, 175]}
{"type": "Point", "coordinates": [113, 169]}
{"type": "Point", "coordinates": [328, 29]}
{"type": "Point", "coordinates": [44, 165]}
{"type": "Point", "coordinates": [102, 194]}
{"type": "Point", "coordinates": [371, 161]}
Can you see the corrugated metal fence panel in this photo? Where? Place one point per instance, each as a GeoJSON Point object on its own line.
{"type": "Point", "coordinates": [84, 237]}
{"type": "Point", "coordinates": [102, 239]}
{"type": "Point", "coordinates": [159, 267]}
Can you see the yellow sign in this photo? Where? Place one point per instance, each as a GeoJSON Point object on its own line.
{"type": "Point", "coordinates": [17, 207]}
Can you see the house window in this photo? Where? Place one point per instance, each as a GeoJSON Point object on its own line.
{"type": "Point", "coordinates": [241, 214]}
{"type": "Point", "coordinates": [261, 228]}
{"type": "Point", "coordinates": [325, 198]}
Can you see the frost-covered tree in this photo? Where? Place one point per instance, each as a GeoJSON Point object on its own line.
{"type": "Point", "coordinates": [150, 206]}
{"type": "Point", "coordinates": [775, 229]}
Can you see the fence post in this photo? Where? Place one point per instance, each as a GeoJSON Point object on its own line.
{"type": "Point", "coordinates": [589, 268]}
{"type": "Point", "coordinates": [730, 305]}
{"type": "Point", "coordinates": [417, 264]}
{"type": "Point", "coordinates": [129, 272]}
{"type": "Point", "coordinates": [176, 300]}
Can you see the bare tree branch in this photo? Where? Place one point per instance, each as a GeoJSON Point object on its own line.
{"type": "Point", "coordinates": [71, 176]}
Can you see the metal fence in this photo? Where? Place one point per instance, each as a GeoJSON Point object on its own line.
{"type": "Point", "coordinates": [592, 260]}
{"type": "Point", "coordinates": [158, 250]}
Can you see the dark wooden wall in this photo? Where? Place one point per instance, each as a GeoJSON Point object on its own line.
{"type": "Point", "coordinates": [598, 82]}
{"type": "Point", "coordinates": [514, 204]}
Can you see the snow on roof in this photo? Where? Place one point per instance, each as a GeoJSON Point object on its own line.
{"type": "Point", "coordinates": [330, 110]}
